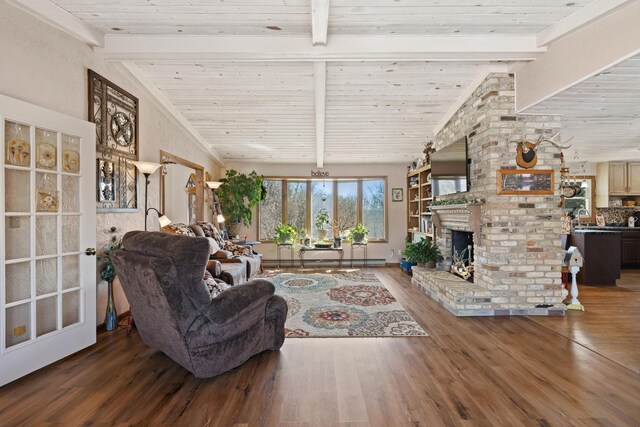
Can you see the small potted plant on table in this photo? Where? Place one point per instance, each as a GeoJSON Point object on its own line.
{"type": "Point", "coordinates": [322, 219]}
{"type": "Point", "coordinates": [284, 234]}
{"type": "Point", "coordinates": [358, 234]}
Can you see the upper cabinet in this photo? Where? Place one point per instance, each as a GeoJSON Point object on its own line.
{"type": "Point", "coordinates": [633, 177]}
{"type": "Point", "coordinates": [624, 178]}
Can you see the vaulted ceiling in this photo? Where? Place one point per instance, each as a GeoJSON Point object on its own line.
{"type": "Point", "coordinates": [320, 81]}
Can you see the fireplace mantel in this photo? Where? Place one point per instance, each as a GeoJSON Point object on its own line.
{"type": "Point", "coordinates": [465, 217]}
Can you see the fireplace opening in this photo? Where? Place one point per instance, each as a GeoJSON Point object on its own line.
{"type": "Point", "coordinates": [462, 254]}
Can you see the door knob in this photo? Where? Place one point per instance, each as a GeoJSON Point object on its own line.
{"type": "Point", "coordinates": [90, 251]}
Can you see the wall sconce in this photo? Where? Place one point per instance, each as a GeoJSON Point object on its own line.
{"type": "Point", "coordinates": [147, 169]}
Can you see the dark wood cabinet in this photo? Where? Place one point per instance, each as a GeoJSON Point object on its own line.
{"type": "Point", "coordinates": [601, 251]}
{"type": "Point", "coordinates": [630, 248]}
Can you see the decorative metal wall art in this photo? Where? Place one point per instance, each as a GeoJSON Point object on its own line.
{"type": "Point", "coordinates": [115, 113]}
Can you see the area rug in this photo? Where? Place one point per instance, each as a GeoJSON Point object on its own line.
{"type": "Point", "coordinates": [341, 304]}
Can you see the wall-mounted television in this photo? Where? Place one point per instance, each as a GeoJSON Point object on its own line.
{"type": "Point", "coordinates": [450, 169]}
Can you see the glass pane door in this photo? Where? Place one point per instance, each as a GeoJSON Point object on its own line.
{"type": "Point", "coordinates": [42, 275]}
{"type": "Point", "coordinates": [46, 279]}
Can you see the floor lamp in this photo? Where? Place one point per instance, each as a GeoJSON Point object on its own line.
{"type": "Point", "coordinates": [216, 204]}
{"type": "Point", "coordinates": [147, 169]}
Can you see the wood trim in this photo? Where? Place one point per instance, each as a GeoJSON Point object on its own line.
{"type": "Point", "coordinates": [335, 180]}
{"type": "Point", "coordinates": [308, 220]}
{"type": "Point", "coordinates": [199, 170]}
{"type": "Point", "coordinates": [501, 172]}
{"type": "Point", "coordinates": [592, 210]}
{"type": "Point", "coordinates": [329, 178]}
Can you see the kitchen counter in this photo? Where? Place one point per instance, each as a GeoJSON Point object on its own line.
{"type": "Point", "coordinates": [606, 228]}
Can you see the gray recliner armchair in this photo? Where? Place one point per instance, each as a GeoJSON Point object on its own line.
{"type": "Point", "coordinates": [161, 275]}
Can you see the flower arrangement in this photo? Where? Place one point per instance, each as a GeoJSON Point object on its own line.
{"type": "Point", "coordinates": [105, 266]}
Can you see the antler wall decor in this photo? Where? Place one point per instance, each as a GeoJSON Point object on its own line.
{"type": "Point", "coordinates": [527, 151]}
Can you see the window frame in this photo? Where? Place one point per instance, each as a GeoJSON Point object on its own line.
{"type": "Point", "coordinates": [334, 181]}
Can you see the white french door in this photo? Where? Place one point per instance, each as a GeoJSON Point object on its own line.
{"type": "Point", "coordinates": [48, 221]}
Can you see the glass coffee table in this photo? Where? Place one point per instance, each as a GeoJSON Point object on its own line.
{"type": "Point", "coordinates": [304, 249]}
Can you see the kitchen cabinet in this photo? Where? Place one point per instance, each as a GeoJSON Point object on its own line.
{"type": "Point", "coordinates": [631, 248]}
{"type": "Point", "coordinates": [624, 178]}
{"type": "Point", "coordinates": [601, 251]}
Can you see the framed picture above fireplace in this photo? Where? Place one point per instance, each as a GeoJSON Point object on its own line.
{"type": "Point", "coordinates": [515, 181]}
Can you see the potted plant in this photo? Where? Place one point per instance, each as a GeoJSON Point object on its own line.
{"type": "Point", "coordinates": [238, 195]}
{"type": "Point", "coordinates": [322, 219]}
{"type": "Point", "coordinates": [358, 233]}
{"type": "Point", "coordinates": [304, 237]}
{"type": "Point", "coordinates": [338, 230]}
{"type": "Point", "coordinates": [285, 234]}
{"type": "Point", "coordinates": [423, 251]}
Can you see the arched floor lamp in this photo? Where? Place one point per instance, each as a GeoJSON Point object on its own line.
{"type": "Point", "coordinates": [147, 169]}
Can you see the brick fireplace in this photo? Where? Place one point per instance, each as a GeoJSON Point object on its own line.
{"type": "Point", "coordinates": [516, 250]}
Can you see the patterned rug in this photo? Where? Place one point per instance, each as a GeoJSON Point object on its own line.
{"type": "Point", "coordinates": [341, 304]}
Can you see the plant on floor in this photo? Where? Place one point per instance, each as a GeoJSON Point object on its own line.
{"type": "Point", "coordinates": [423, 251]}
{"type": "Point", "coordinates": [284, 234]}
{"type": "Point", "coordinates": [239, 194]}
{"type": "Point", "coordinates": [358, 233]}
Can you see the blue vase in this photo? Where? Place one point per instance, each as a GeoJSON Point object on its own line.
{"type": "Point", "coordinates": [111, 318]}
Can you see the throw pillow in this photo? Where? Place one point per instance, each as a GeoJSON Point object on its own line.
{"type": "Point", "coordinates": [215, 287]}
{"type": "Point", "coordinates": [238, 250]}
{"type": "Point", "coordinates": [211, 230]}
{"type": "Point", "coordinates": [178, 228]}
{"type": "Point", "coordinates": [214, 245]}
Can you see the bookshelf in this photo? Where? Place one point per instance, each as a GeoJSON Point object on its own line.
{"type": "Point", "coordinates": [419, 197]}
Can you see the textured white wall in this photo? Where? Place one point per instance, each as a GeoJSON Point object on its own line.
{"type": "Point", "coordinates": [397, 211]}
{"type": "Point", "coordinates": [46, 67]}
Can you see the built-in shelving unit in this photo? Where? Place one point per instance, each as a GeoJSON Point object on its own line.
{"type": "Point", "coordinates": [419, 197]}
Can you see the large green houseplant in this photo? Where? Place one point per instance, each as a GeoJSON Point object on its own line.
{"type": "Point", "coordinates": [423, 252]}
{"type": "Point", "coordinates": [239, 194]}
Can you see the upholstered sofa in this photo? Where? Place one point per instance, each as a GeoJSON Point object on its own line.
{"type": "Point", "coordinates": [162, 277]}
{"type": "Point", "coordinates": [239, 263]}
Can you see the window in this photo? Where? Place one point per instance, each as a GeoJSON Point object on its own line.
{"type": "Point", "coordinates": [321, 198]}
{"type": "Point", "coordinates": [348, 203]}
{"type": "Point", "coordinates": [296, 202]}
{"type": "Point", "coordinates": [373, 207]}
{"type": "Point", "coordinates": [297, 205]}
{"type": "Point", "coordinates": [270, 209]}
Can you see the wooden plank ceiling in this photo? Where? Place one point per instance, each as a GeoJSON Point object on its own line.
{"type": "Point", "coordinates": [602, 113]}
{"type": "Point", "coordinates": [292, 17]}
{"type": "Point", "coordinates": [389, 109]}
{"type": "Point", "coordinates": [252, 109]}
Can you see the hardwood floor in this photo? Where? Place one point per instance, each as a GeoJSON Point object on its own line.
{"type": "Point", "coordinates": [580, 370]}
{"type": "Point", "coordinates": [610, 324]}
